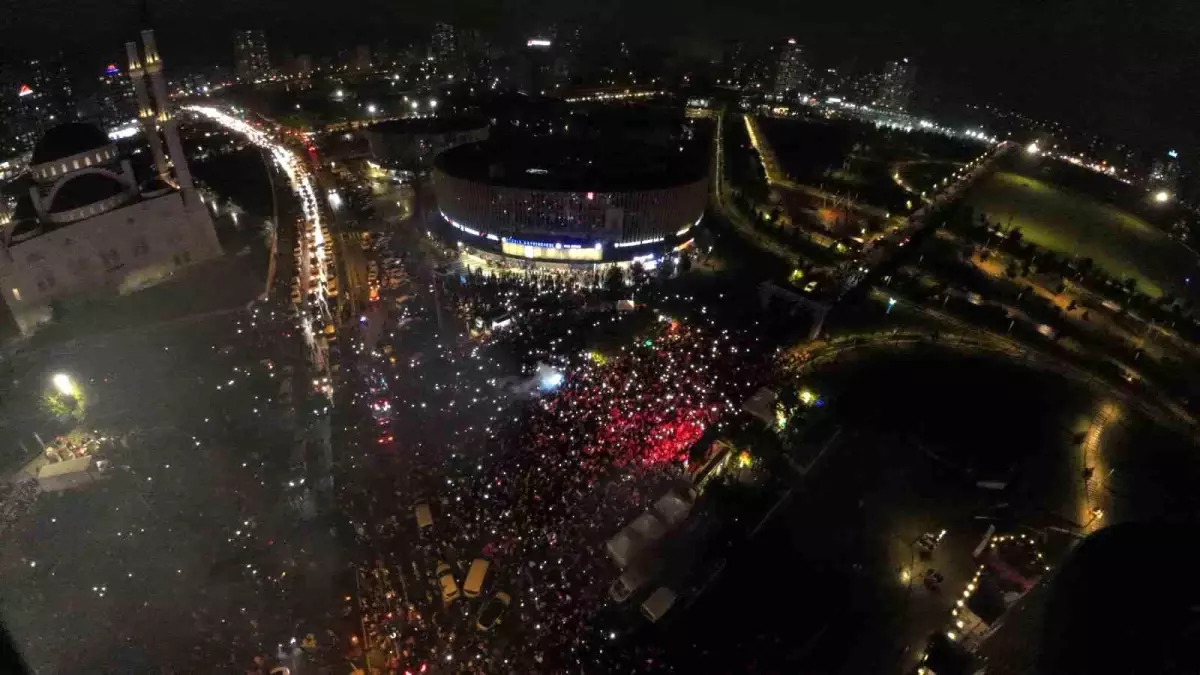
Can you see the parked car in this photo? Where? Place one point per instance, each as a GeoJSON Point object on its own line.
{"type": "Point", "coordinates": [450, 591]}
{"type": "Point", "coordinates": [493, 611]}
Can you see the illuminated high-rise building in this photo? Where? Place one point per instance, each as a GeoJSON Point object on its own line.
{"type": "Point", "coordinates": [38, 95]}
{"type": "Point", "coordinates": [362, 58]}
{"type": "Point", "coordinates": [443, 46]}
{"type": "Point", "coordinates": [733, 63]}
{"type": "Point", "coordinates": [115, 100]}
{"type": "Point", "coordinates": [896, 85]}
{"type": "Point", "coordinates": [250, 57]}
{"type": "Point", "coordinates": [302, 65]}
{"type": "Point", "coordinates": [1164, 173]}
{"type": "Point", "coordinates": [791, 72]}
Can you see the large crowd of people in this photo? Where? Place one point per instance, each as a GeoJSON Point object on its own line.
{"type": "Point", "coordinates": [533, 478]}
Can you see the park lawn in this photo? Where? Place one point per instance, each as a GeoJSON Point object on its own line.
{"type": "Point", "coordinates": [1120, 243]}
{"type": "Point", "coordinates": [926, 175]}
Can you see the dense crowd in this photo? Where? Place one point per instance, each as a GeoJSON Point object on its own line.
{"type": "Point", "coordinates": [533, 478]}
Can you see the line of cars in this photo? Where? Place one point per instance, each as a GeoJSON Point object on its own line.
{"type": "Point", "coordinates": [388, 275]}
{"type": "Point", "coordinates": [493, 609]}
{"type": "Point", "coordinates": [317, 257]}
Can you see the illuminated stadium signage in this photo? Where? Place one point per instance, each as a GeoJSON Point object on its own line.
{"type": "Point", "coordinates": [540, 250]}
{"type": "Point", "coordinates": [24, 90]}
{"type": "Point", "coordinates": [541, 244]}
{"type": "Point", "coordinates": [111, 69]}
{"type": "Point", "coordinates": [642, 242]}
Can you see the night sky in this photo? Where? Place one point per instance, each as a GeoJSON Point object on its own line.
{"type": "Point", "coordinates": [1123, 68]}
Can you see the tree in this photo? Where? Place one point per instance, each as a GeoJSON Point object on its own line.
{"type": "Point", "coordinates": [637, 272]}
{"type": "Point", "coordinates": [614, 280]}
{"type": "Point", "coordinates": [666, 269]}
{"type": "Point", "coordinates": [685, 262]}
{"type": "Point", "coordinates": [64, 406]}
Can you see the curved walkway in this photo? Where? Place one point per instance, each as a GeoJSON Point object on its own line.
{"type": "Point", "coordinates": [809, 357]}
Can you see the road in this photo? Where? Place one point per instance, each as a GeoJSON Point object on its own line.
{"type": "Point", "coordinates": [740, 223]}
{"type": "Point", "coordinates": [315, 278]}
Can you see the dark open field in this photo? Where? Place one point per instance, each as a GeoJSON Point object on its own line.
{"type": "Point", "coordinates": [1075, 224]}
{"type": "Point", "coordinates": [855, 159]}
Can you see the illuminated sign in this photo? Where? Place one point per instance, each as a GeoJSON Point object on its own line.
{"type": "Point", "coordinates": [111, 69]}
{"type": "Point", "coordinates": [1172, 154]}
{"type": "Point", "coordinates": [537, 42]}
{"type": "Point", "coordinates": [545, 251]}
{"type": "Point", "coordinates": [24, 90]}
{"type": "Point", "coordinates": [541, 244]}
{"type": "Point", "coordinates": [641, 242]}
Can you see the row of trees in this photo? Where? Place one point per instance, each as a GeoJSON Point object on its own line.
{"type": "Point", "coordinates": [615, 277]}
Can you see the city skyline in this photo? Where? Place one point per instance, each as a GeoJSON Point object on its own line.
{"type": "Point", "coordinates": [1106, 69]}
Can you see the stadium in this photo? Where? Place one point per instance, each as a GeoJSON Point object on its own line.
{"type": "Point", "coordinates": [561, 201]}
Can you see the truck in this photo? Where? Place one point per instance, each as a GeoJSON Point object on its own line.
{"type": "Point", "coordinates": [634, 538]}
{"type": "Point", "coordinates": [659, 603]}
{"type": "Point", "coordinates": [71, 473]}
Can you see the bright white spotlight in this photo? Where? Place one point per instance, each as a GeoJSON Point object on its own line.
{"type": "Point", "coordinates": [64, 384]}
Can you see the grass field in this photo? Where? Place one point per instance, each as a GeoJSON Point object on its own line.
{"type": "Point", "coordinates": [925, 175]}
{"type": "Point", "coordinates": [1116, 241]}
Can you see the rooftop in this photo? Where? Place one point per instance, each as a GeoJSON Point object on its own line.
{"type": "Point", "coordinates": [565, 165]}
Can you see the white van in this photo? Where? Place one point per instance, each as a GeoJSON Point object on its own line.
{"type": "Point", "coordinates": [659, 603]}
{"type": "Point", "coordinates": [475, 576]}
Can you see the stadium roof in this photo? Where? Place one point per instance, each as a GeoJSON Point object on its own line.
{"type": "Point", "coordinates": [573, 165]}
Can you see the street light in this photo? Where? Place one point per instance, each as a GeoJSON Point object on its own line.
{"type": "Point", "coordinates": [433, 103]}
{"type": "Point", "coordinates": [1162, 196]}
{"type": "Point", "coordinates": [891, 304]}
{"type": "Point", "coordinates": [64, 384]}
{"type": "Point", "coordinates": [371, 108]}
{"type": "Point", "coordinates": [1032, 148]}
